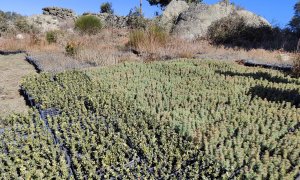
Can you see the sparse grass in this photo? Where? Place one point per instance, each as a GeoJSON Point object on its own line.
{"type": "Point", "coordinates": [109, 47]}
{"type": "Point", "coordinates": [148, 40]}
{"type": "Point", "coordinates": [296, 64]}
{"type": "Point", "coordinates": [12, 68]}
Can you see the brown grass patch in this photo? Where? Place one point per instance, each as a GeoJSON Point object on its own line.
{"type": "Point", "coordinates": [12, 68]}
{"type": "Point", "coordinates": [296, 68]}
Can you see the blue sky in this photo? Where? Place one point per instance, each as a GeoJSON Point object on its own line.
{"type": "Point", "coordinates": [277, 12]}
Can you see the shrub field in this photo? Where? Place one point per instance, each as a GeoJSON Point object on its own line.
{"type": "Point", "coordinates": [162, 120]}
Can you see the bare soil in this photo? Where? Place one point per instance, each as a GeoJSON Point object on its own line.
{"type": "Point", "coordinates": [12, 69]}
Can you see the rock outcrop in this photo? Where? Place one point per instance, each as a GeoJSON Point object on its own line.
{"type": "Point", "coordinates": [194, 22]}
{"type": "Point", "coordinates": [61, 13]}
{"type": "Point", "coordinates": [111, 20]}
{"type": "Point", "coordinates": [44, 22]}
{"type": "Point", "coordinates": [171, 13]}
{"type": "Point", "coordinates": [53, 18]}
{"type": "Point", "coordinates": [252, 19]}
{"type": "Point", "coordinates": [191, 21]}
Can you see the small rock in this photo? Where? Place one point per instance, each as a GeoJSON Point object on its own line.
{"type": "Point", "coordinates": [19, 36]}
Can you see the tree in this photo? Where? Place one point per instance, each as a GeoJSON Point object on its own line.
{"type": "Point", "coordinates": [106, 8]}
{"type": "Point", "coordinates": [164, 3]}
{"type": "Point", "coordinates": [295, 22]}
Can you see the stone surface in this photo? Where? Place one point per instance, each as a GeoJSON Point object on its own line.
{"type": "Point", "coordinates": [44, 22]}
{"type": "Point", "coordinates": [61, 13]}
{"type": "Point", "coordinates": [111, 20]}
{"type": "Point", "coordinates": [19, 36]}
{"type": "Point", "coordinates": [195, 21]}
{"type": "Point", "coordinates": [172, 12]}
{"type": "Point", "coordinates": [252, 19]}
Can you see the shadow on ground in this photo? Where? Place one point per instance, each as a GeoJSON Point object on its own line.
{"type": "Point", "coordinates": [259, 76]}
{"type": "Point", "coordinates": [276, 95]}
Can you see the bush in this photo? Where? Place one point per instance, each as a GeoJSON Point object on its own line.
{"type": "Point", "coordinates": [22, 25]}
{"type": "Point", "coordinates": [35, 39]}
{"type": "Point", "coordinates": [296, 68]}
{"type": "Point", "coordinates": [88, 24]}
{"type": "Point", "coordinates": [106, 8]}
{"type": "Point", "coordinates": [154, 36]}
{"type": "Point", "coordinates": [136, 20]}
{"type": "Point", "coordinates": [3, 25]}
{"type": "Point", "coordinates": [72, 48]}
{"type": "Point", "coordinates": [234, 31]}
{"type": "Point", "coordinates": [52, 36]}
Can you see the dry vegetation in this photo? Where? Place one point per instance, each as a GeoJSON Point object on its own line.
{"type": "Point", "coordinates": [12, 69]}
{"type": "Point", "coordinates": [297, 66]}
{"type": "Point", "coordinates": [112, 46]}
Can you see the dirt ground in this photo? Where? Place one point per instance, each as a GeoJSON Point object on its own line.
{"type": "Point", "coordinates": [12, 69]}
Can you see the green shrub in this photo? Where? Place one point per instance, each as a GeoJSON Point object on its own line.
{"type": "Point", "coordinates": [106, 8]}
{"type": "Point", "coordinates": [233, 30]}
{"type": "Point", "coordinates": [137, 20]}
{"type": "Point", "coordinates": [22, 25]}
{"type": "Point", "coordinates": [3, 25]}
{"type": "Point", "coordinates": [52, 36]}
{"type": "Point", "coordinates": [88, 24]}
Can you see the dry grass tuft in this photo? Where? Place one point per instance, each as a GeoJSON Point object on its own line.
{"type": "Point", "coordinates": [112, 46]}
{"type": "Point", "coordinates": [296, 64]}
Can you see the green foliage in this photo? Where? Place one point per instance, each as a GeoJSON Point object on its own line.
{"type": "Point", "coordinates": [22, 26]}
{"type": "Point", "coordinates": [27, 151]}
{"type": "Point", "coordinates": [178, 120]}
{"type": "Point", "coordinates": [295, 21]}
{"type": "Point", "coordinates": [234, 31]}
{"type": "Point", "coordinates": [12, 23]}
{"type": "Point", "coordinates": [136, 20]}
{"type": "Point", "coordinates": [52, 36]}
{"type": "Point", "coordinates": [3, 25]}
{"type": "Point", "coordinates": [88, 24]}
{"type": "Point", "coordinates": [106, 8]}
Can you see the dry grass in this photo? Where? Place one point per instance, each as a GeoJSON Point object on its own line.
{"type": "Point", "coordinates": [200, 49]}
{"type": "Point", "coordinates": [12, 68]}
{"type": "Point", "coordinates": [110, 47]}
{"type": "Point", "coordinates": [105, 48]}
{"type": "Point", "coordinates": [296, 64]}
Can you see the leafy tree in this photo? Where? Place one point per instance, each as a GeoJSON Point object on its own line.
{"type": "Point", "coordinates": [164, 3]}
{"type": "Point", "coordinates": [295, 22]}
{"type": "Point", "coordinates": [106, 8]}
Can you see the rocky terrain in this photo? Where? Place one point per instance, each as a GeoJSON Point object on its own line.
{"type": "Point", "coordinates": [192, 21]}
{"type": "Point", "coordinates": [188, 21]}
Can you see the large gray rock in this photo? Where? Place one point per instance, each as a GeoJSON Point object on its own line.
{"type": "Point", "coordinates": [172, 12]}
{"type": "Point", "coordinates": [44, 22]}
{"type": "Point", "coordinates": [61, 13]}
{"type": "Point", "coordinates": [252, 19]}
{"type": "Point", "coordinates": [194, 22]}
{"type": "Point", "coordinates": [111, 20]}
